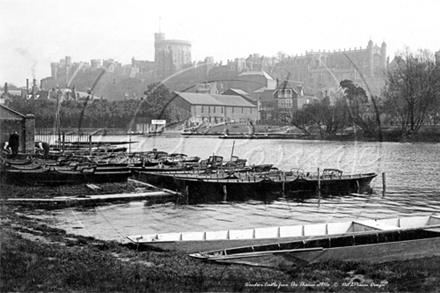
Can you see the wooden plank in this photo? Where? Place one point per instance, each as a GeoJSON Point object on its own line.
{"type": "Point", "coordinates": [149, 185]}
{"type": "Point", "coordinates": [146, 195]}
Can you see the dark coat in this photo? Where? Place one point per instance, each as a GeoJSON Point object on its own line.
{"type": "Point", "coordinates": [14, 140]}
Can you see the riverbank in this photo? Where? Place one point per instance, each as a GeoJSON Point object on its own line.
{"type": "Point", "coordinates": [37, 257]}
{"type": "Point", "coordinates": [389, 134]}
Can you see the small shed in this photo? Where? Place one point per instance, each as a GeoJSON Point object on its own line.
{"type": "Point", "coordinates": [10, 121]}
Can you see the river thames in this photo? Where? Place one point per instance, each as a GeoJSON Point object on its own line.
{"type": "Point", "coordinates": [412, 188]}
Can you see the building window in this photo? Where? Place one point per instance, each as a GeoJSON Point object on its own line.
{"type": "Point", "coordinates": [242, 110]}
{"type": "Point", "coordinates": [209, 109]}
{"type": "Point", "coordinates": [232, 109]}
{"type": "Point", "coordinates": [285, 93]}
{"type": "Point", "coordinates": [214, 109]}
{"type": "Point", "coordinates": [203, 108]}
{"type": "Point", "coordinates": [221, 109]}
{"type": "Point", "coordinates": [250, 110]}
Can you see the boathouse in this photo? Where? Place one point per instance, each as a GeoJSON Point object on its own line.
{"type": "Point", "coordinates": [213, 108]}
{"type": "Point", "coordinates": [11, 121]}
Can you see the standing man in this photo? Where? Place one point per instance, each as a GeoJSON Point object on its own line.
{"type": "Point", "coordinates": [14, 143]}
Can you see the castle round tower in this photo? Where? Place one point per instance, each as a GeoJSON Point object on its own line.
{"type": "Point", "coordinates": [170, 56]}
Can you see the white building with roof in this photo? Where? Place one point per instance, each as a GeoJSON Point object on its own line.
{"type": "Point", "coordinates": [213, 108]}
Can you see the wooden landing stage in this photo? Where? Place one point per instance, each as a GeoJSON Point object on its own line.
{"type": "Point", "coordinates": [159, 196]}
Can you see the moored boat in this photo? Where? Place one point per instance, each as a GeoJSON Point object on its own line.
{"type": "Point", "coordinates": [221, 239]}
{"type": "Point", "coordinates": [65, 175]}
{"type": "Point", "coordinates": [215, 185]}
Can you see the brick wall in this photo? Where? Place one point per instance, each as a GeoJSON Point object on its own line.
{"type": "Point", "coordinates": [29, 134]}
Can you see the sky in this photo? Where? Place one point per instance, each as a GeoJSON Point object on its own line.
{"type": "Point", "coordinates": [35, 33]}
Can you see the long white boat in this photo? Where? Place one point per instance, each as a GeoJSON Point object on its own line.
{"type": "Point", "coordinates": [216, 240]}
{"type": "Point", "coordinates": [374, 246]}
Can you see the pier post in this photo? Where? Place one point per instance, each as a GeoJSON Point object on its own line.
{"type": "Point", "coordinates": [64, 142]}
{"type": "Point", "coordinates": [225, 193]}
{"type": "Point", "coordinates": [186, 194]}
{"type": "Point", "coordinates": [319, 187]}
{"type": "Point", "coordinates": [384, 185]}
{"type": "Point", "coordinates": [90, 144]}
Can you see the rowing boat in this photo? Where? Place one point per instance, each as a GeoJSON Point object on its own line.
{"type": "Point", "coordinates": [408, 238]}
{"type": "Point", "coordinates": [65, 175]}
{"type": "Point", "coordinates": [241, 185]}
{"type": "Point", "coordinates": [210, 240]}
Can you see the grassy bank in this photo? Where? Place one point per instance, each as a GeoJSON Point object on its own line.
{"type": "Point", "coordinates": [36, 257]}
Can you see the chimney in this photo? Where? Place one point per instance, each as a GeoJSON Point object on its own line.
{"type": "Point", "coordinates": [34, 86]}
{"type": "Point", "coordinates": [41, 84]}
{"type": "Point", "coordinates": [27, 85]}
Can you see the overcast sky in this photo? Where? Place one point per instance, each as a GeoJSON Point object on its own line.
{"type": "Point", "coordinates": [35, 33]}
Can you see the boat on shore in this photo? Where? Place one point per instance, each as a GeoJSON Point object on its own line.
{"type": "Point", "coordinates": [217, 240]}
{"type": "Point", "coordinates": [391, 240]}
{"type": "Point", "coordinates": [36, 174]}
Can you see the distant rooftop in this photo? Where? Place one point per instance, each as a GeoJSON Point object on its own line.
{"type": "Point", "coordinates": [214, 100]}
{"type": "Point", "coordinates": [263, 73]}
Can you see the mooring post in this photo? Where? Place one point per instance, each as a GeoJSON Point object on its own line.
{"type": "Point", "coordinates": [225, 193]}
{"type": "Point", "coordinates": [384, 185]}
{"type": "Point", "coordinates": [64, 142]}
{"type": "Point", "coordinates": [90, 144]}
{"type": "Point", "coordinates": [319, 187]}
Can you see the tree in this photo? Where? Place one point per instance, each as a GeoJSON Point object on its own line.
{"type": "Point", "coordinates": [156, 101]}
{"type": "Point", "coordinates": [412, 89]}
{"type": "Point", "coordinates": [363, 113]}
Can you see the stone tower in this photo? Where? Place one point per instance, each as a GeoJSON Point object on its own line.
{"type": "Point", "coordinates": [370, 58]}
{"type": "Point", "coordinates": [383, 55]}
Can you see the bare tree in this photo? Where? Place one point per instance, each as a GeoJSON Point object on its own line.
{"type": "Point", "coordinates": [363, 113]}
{"type": "Point", "coordinates": [412, 89]}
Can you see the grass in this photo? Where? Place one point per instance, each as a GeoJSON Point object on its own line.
{"type": "Point", "coordinates": [20, 191]}
{"type": "Point", "coordinates": [36, 257]}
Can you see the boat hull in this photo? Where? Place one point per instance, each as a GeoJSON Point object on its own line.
{"type": "Point", "coordinates": [52, 176]}
{"type": "Point", "coordinates": [373, 247]}
{"type": "Point", "coordinates": [375, 253]}
{"type": "Point", "coordinates": [217, 187]}
{"type": "Point", "coordinates": [197, 241]}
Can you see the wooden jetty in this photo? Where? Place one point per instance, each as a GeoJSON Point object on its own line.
{"type": "Point", "coordinates": [158, 196]}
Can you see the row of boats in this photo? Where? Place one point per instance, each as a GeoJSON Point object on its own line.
{"type": "Point", "coordinates": [215, 179]}
{"type": "Point", "coordinates": [212, 179]}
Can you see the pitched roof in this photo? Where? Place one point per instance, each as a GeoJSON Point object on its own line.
{"type": "Point", "coordinates": [263, 73]}
{"type": "Point", "coordinates": [290, 84]}
{"type": "Point", "coordinates": [9, 114]}
{"type": "Point", "coordinates": [214, 100]}
{"type": "Point", "coordinates": [229, 100]}
{"type": "Point", "coordinates": [261, 89]}
{"type": "Point", "coordinates": [239, 91]}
